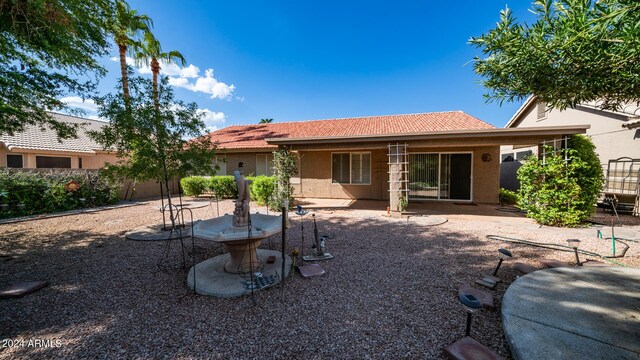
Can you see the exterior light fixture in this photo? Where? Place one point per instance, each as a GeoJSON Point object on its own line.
{"type": "Point", "coordinates": [575, 243]}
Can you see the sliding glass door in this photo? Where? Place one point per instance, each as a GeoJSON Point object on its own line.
{"type": "Point", "coordinates": [440, 176]}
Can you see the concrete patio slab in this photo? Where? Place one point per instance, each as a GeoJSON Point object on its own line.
{"type": "Point", "coordinates": [573, 313]}
{"type": "Point", "coordinates": [212, 279]}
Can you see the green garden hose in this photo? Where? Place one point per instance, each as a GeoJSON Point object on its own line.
{"type": "Point", "coordinates": [560, 247]}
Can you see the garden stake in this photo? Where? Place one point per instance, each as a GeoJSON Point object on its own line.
{"type": "Point", "coordinates": [599, 232]}
{"type": "Point", "coordinates": [284, 236]}
{"type": "Point", "coordinates": [613, 239]}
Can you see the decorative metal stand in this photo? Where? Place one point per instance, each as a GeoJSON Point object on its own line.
{"type": "Point", "coordinates": [319, 245]}
{"type": "Point", "coordinates": [301, 212]}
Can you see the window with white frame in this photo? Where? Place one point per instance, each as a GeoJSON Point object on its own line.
{"type": "Point", "coordinates": [222, 165]}
{"type": "Point", "coordinates": [351, 168]}
{"type": "Point", "coordinates": [264, 164]}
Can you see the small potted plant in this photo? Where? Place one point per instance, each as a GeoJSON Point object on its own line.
{"type": "Point", "coordinates": [402, 203]}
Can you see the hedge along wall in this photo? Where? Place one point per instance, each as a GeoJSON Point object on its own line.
{"type": "Point", "coordinates": [225, 187]}
{"type": "Point", "coordinates": [36, 192]}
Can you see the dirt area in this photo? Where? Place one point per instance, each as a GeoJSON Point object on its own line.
{"type": "Point", "coordinates": [390, 292]}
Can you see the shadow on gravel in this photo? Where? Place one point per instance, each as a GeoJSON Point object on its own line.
{"type": "Point", "coordinates": [391, 291]}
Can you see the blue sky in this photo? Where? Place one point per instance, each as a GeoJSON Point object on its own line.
{"type": "Point", "coordinates": [298, 60]}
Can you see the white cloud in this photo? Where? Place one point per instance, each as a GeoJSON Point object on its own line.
{"type": "Point", "coordinates": [211, 119]}
{"type": "Point", "coordinates": [207, 84]}
{"type": "Point", "coordinates": [77, 102]}
{"type": "Point", "coordinates": [181, 77]}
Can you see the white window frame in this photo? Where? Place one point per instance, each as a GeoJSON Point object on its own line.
{"type": "Point", "coordinates": [222, 164]}
{"type": "Point", "coordinates": [268, 165]}
{"type": "Point", "coordinates": [351, 153]}
{"type": "Point", "coordinates": [471, 196]}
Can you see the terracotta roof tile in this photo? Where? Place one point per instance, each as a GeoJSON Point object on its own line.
{"type": "Point", "coordinates": [253, 136]}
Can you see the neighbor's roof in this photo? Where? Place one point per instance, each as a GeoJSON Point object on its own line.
{"type": "Point", "coordinates": [254, 136]}
{"type": "Point", "coordinates": [631, 110]}
{"type": "Point", "coordinates": [35, 138]}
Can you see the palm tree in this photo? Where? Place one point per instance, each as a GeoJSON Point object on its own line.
{"type": "Point", "coordinates": [266, 121]}
{"type": "Point", "coordinates": [127, 25]}
{"type": "Point", "coordinates": [150, 52]}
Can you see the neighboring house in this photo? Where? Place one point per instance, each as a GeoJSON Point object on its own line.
{"type": "Point", "coordinates": [36, 148]}
{"type": "Point", "coordinates": [449, 156]}
{"type": "Point", "coordinates": [615, 134]}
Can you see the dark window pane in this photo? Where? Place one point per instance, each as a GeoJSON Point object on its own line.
{"type": "Point", "coordinates": [523, 154]}
{"type": "Point", "coordinates": [14, 161]}
{"type": "Point", "coordinates": [53, 162]}
{"type": "Point", "coordinates": [507, 157]}
{"type": "Point", "coordinates": [340, 168]}
{"type": "Point", "coordinates": [79, 163]}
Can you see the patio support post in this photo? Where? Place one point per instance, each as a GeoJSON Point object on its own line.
{"type": "Point", "coordinates": [398, 167]}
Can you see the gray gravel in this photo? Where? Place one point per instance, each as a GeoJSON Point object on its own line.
{"type": "Point", "coordinates": [389, 293]}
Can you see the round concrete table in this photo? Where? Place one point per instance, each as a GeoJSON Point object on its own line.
{"type": "Point", "coordinates": [574, 313]}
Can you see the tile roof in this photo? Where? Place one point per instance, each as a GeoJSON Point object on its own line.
{"type": "Point", "coordinates": [34, 138]}
{"type": "Point", "coordinates": [253, 136]}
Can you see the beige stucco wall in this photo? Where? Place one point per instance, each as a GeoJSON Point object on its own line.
{"type": "Point", "coordinates": [315, 178]}
{"type": "Point", "coordinates": [89, 161]}
{"type": "Point", "coordinates": [612, 141]}
{"type": "Point", "coordinates": [248, 160]}
{"type": "Point", "coordinates": [316, 175]}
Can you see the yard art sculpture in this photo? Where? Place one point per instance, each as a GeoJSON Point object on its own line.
{"type": "Point", "coordinates": [241, 235]}
{"type": "Point", "coordinates": [241, 212]}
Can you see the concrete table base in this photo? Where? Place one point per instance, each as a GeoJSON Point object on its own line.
{"type": "Point", "coordinates": [212, 279]}
{"type": "Point", "coordinates": [574, 313]}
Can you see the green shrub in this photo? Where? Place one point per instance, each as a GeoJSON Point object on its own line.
{"type": "Point", "coordinates": [508, 197]}
{"type": "Point", "coordinates": [262, 189]}
{"type": "Point", "coordinates": [559, 192]}
{"type": "Point", "coordinates": [30, 193]}
{"type": "Point", "coordinates": [194, 185]}
{"type": "Point", "coordinates": [223, 186]}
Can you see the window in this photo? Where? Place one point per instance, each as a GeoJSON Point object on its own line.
{"type": "Point", "coordinates": [14, 161]}
{"type": "Point", "coordinates": [506, 157]}
{"type": "Point", "coordinates": [222, 165]}
{"type": "Point", "coordinates": [264, 164]}
{"type": "Point", "coordinates": [351, 168]}
{"type": "Point", "coordinates": [521, 155]}
{"type": "Point", "coordinates": [79, 163]}
{"type": "Point", "coordinates": [542, 111]}
{"type": "Point", "coordinates": [53, 162]}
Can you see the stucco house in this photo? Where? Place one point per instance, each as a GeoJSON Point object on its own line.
{"type": "Point", "coordinates": [442, 156]}
{"type": "Point", "coordinates": [37, 148]}
{"type": "Point", "coordinates": [615, 134]}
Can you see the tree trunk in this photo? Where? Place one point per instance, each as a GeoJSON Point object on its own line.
{"type": "Point", "coordinates": [155, 69]}
{"type": "Point", "coordinates": [123, 70]}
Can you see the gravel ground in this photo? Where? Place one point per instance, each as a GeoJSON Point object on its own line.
{"type": "Point", "coordinates": [390, 292]}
